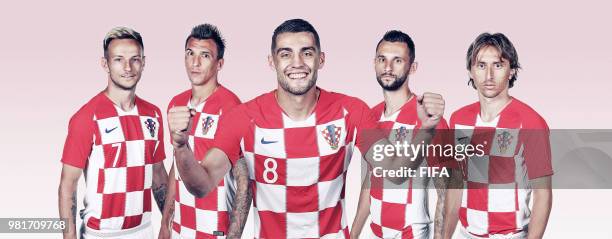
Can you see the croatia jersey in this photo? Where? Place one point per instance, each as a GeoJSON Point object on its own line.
{"type": "Point", "coordinates": [117, 150]}
{"type": "Point", "coordinates": [401, 211]}
{"type": "Point", "coordinates": [205, 217]}
{"type": "Point", "coordinates": [297, 169]}
{"type": "Point", "coordinates": [496, 186]}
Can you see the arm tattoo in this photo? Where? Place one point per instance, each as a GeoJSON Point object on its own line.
{"type": "Point", "coordinates": [160, 196]}
{"type": "Point", "coordinates": [242, 201]}
{"type": "Point", "coordinates": [441, 186]}
{"type": "Point", "coordinates": [73, 208]}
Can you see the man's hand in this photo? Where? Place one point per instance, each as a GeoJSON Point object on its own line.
{"type": "Point", "coordinates": [179, 121]}
{"type": "Point", "coordinates": [430, 109]}
{"type": "Point", "coordinates": [164, 232]}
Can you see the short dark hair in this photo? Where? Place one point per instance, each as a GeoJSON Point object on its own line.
{"type": "Point", "coordinates": [500, 42]}
{"type": "Point", "coordinates": [398, 36]}
{"type": "Point", "coordinates": [121, 33]}
{"type": "Point", "coordinates": [208, 31]}
{"type": "Point", "coordinates": [294, 26]}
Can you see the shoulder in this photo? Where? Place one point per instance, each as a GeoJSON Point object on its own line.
{"type": "Point", "coordinates": [228, 96]}
{"type": "Point", "coordinates": [180, 99]}
{"type": "Point", "coordinates": [528, 116]}
{"type": "Point", "coordinates": [465, 113]}
{"type": "Point", "coordinates": [147, 108]}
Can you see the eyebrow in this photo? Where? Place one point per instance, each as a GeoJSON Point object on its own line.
{"type": "Point", "coordinates": [311, 48]}
{"type": "Point", "coordinates": [282, 49]}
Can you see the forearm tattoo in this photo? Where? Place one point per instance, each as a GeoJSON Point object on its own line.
{"type": "Point", "coordinates": [160, 196]}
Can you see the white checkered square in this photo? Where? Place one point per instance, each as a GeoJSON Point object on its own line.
{"type": "Point", "coordinates": [504, 142]}
{"type": "Point", "coordinates": [270, 142]}
{"type": "Point", "coordinates": [115, 180]}
{"type": "Point", "coordinates": [150, 127]}
{"type": "Point", "coordinates": [271, 197]}
{"type": "Point", "coordinates": [186, 198]}
{"type": "Point", "coordinates": [208, 225]}
{"type": "Point", "coordinates": [329, 192]}
{"type": "Point", "coordinates": [463, 134]}
{"type": "Point", "coordinates": [501, 197]}
{"type": "Point", "coordinates": [478, 221]}
{"type": "Point", "coordinates": [148, 176]}
{"type": "Point", "coordinates": [177, 213]}
{"type": "Point", "coordinates": [375, 208]}
{"type": "Point", "coordinates": [113, 222]}
{"type": "Point", "coordinates": [391, 233]}
{"type": "Point", "coordinates": [222, 196]}
{"type": "Point", "coordinates": [325, 147]}
{"type": "Point", "coordinates": [207, 120]}
{"type": "Point", "coordinates": [110, 130]}
{"type": "Point", "coordinates": [289, 123]}
{"type": "Point", "coordinates": [135, 154]}
{"type": "Point", "coordinates": [303, 225]}
{"type": "Point", "coordinates": [187, 232]}
{"type": "Point", "coordinates": [302, 171]}
{"type": "Point", "coordinates": [395, 193]}
{"type": "Point", "coordinates": [134, 203]}
{"type": "Point", "coordinates": [478, 169]}
{"type": "Point", "coordinates": [249, 158]}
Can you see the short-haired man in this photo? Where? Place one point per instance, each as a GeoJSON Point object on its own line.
{"type": "Point", "coordinates": [399, 211]}
{"type": "Point", "coordinates": [117, 140]}
{"type": "Point", "coordinates": [297, 141]}
{"type": "Point", "coordinates": [516, 158]}
{"type": "Point", "coordinates": [207, 217]}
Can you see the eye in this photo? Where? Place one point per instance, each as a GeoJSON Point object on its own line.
{"type": "Point", "coordinates": [380, 59]}
{"type": "Point", "coordinates": [117, 59]}
{"type": "Point", "coordinates": [398, 61]}
{"type": "Point", "coordinates": [498, 65]}
{"type": "Point", "coordinates": [480, 66]}
{"type": "Point", "coordinates": [284, 54]}
{"type": "Point", "coordinates": [308, 53]}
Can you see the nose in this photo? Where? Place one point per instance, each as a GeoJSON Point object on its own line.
{"type": "Point", "coordinates": [388, 66]}
{"type": "Point", "coordinates": [127, 66]}
{"type": "Point", "coordinates": [490, 73]}
{"type": "Point", "coordinates": [297, 61]}
{"type": "Point", "coordinates": [197, 61]}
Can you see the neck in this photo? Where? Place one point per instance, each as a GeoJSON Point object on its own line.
{"type": "Point", "coordinates": [491, 107]}
{"type": "Point", "coordinates": [297, 107]}
{"type": "Point", "coordinates": [199, 93]}
{"type": "Point", "coordinates": [394, 100]}
{"type": "Point", "coordinates": [120, 97]}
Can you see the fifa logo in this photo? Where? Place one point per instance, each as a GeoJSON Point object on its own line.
{"type": "Point", "coordinates": [401, 134]}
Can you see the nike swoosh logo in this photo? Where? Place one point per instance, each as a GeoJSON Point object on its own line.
{"type": "Point", "coordinates": [267, 142]}
{"type": "Point", "coordinates": [110, 130]}
{"type": "Point", "coordinates": [462, 138]}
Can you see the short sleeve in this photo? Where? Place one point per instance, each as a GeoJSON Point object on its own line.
{"type": "Point", "coordinates": [537, 153]}
{"type": "Point", "coordinates": [232, 127]}
{"type": "Point", "coordinates": [160, 152]}
{"type": "Point", "coordinates": [364, 120]}
{"type": "Point", "coordinates": [79, 141]}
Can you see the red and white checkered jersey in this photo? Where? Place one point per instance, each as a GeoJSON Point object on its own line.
{"type": "Point", "coordinates": [205, 217]}
{"type": "Point", "coordinates": [297, 168]}
{"type": "Point", "coordinates": [117, 150]}
{"type": "Point", "coordinates": [400, 211]}
{"type": "Point", "coordinates": [516, 149]}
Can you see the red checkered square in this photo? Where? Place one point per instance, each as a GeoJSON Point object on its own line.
{"type": "Point", "coordinates": [301, 142]}
{"type": "Point", "coordinates": [303, 199]}
{"type": "Point", "coordinates": [137, 178]}
{"type": "Point", "coordinates": [113, 205]}
{"type": "Point", "coordinates": [477, 196]}
{"type": "Point", "coordinates": [393, 209]}
{"type": "Point", "coordinates": [501, 170]}
{"type": "Point", "coordinates": [275, 223]}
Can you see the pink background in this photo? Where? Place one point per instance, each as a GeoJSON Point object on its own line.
{"type": "Point", "coordinates": [49, 60]}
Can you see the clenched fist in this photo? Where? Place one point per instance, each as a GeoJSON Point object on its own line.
{"type": "Point", "coordinates": [430, 109]}
{"type": "Point", "coordinates": [179, 121]}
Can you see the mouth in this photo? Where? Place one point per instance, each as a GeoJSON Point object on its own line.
{"type": "Point", "coordinates": [297, 75]}
{"type": "Point", "coordinates": [128, 76]}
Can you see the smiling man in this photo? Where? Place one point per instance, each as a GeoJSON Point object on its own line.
{"type": "Point", "coordinates": [116, 139]}
{"type": "Point", "coordinates": [297, 141]}
{"type": "Point", "coordinates": [517, 161]}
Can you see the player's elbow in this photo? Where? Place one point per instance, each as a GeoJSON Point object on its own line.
{"type": "Point", "coordinates": [198, 191]}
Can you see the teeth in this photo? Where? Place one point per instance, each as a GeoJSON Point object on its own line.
{"type": "Point", "coordinates": [297, 75]}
